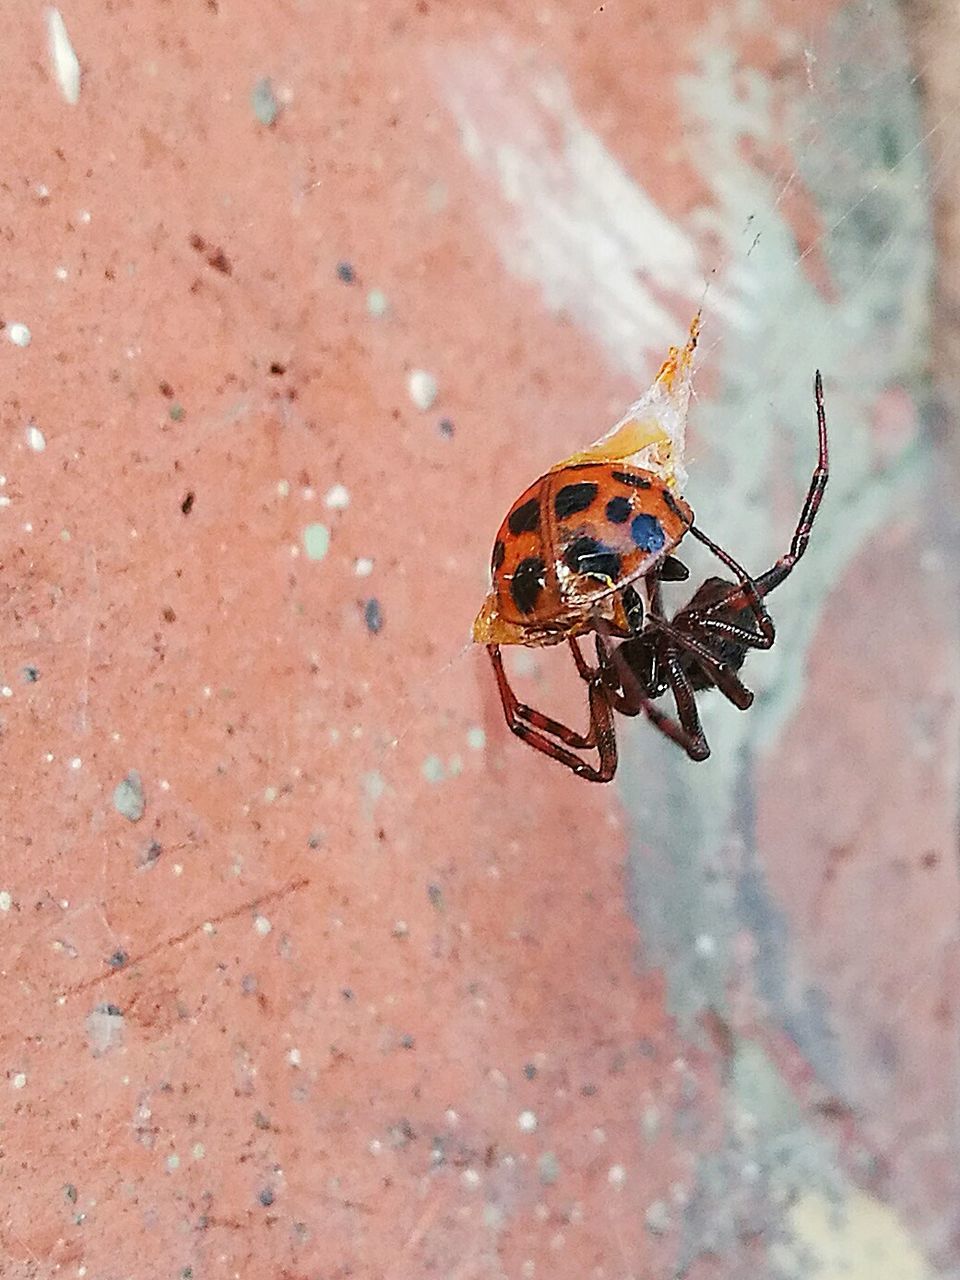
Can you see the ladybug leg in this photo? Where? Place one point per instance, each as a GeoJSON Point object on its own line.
{"type": "Point", "coordinates": [533, 728]}
{"type": "Point", "coordinates": [672, 570]}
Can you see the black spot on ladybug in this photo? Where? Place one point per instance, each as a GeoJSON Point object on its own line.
{"type": "Point", "coordinates": [671, 503]}
{"type": "Point", "coordinates": [596, 559]}
{"type": "Point", "coordinates": [525, 518]}
{"type": "Point", "coordinates": [573, 498]}
{"type": "Point", "coordinates": [626, 477]}
{"type": "Point", "coordinates": [647, 532]}
{"type": "Point", "coordinates": [527, 583]}
{"type": "Point", "coordinates": [499, 552]}
{"type": "Point", "coordinates": [618, 510]}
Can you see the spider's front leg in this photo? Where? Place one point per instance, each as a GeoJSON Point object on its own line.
{"type": "Point", "coordinates": [745, 597]}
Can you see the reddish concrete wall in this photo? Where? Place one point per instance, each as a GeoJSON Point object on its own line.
{"type": "Point", "coordinates": [343, 981]}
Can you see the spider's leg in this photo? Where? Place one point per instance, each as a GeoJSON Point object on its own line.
{"type": "Point", "coordinates": [724, 677]}
{"type": "Point", "coordinates": [693, 741]}
{"type": "Point", "coordinates": [742, 596]}
{"type": "Point", "coordinates": [519, 714]}
{"type": "Point", "coordinates": [752, 590]}
{"type": "Point", "coordinates": [720, 629]}
{"type": "Point", "coordinates": [532, 727]}
{"type": "Point", "coordinates": [584, 670]}
{"type": "Point", "coordinates": [601, 725]}
{"type": "Point", "coordinates": [630, 698]}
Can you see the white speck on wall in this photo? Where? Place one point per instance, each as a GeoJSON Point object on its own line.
{"type": "Point", "coordinates": [525, 663]}
{"type": "Point", "coordinates": [363, 567]}
{"type": "Point", "coordinates": [432, 769]}
{"type": "Point", "coordinates": [66, 65]}
{"type": "Point", "coordinates": [493, 1216]}
{"type": "Point", "coordinates": [262, 925]}
{"type": "Point", "coordinates": [316, 541]}
{"type": "Point", "coordinates": [423, 388]}
{"type": "Point", "coordinates": [470, 1178]}
{"type": "Point", "coordinates": [657, 1217]}
{"type": "Point", "coordinates": [6, 691]}
{"type": "Point", "coordinates": [293, 1057]}
{"type": "Point", "coordinates": [527, 1122]}
{"type": "Point", "coordinates": [476, 738]}
{"type": "Point", "coordinates": [19, 334]}
{"type": "Point", "coordinates": [6, 902]}
{"type": "Point", "coordinates": [338, 498]}
{"type": "Point", "coordinates": [173, 1162]}
{"type": "Point", "coordinates": [35, 438]}
{"type": "Point", "coordinates": [377, 304]}
{"type": "Point", "coordinates": [19, 1080]}
{"type": "Point", "coordinates": [616, 1175]}
{"type": "Point", "coordinates": [76, 763]}
{"type": "Point", "coordinates": [198, 1151]}
{"type": "Point", "coordinates": [61, 273]}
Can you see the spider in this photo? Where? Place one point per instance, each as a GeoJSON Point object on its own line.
{"type": "Point", "coordinates": [703, 646]}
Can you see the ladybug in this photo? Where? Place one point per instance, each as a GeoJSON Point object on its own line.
{"type": "Point", "coordinates": [585, 549]}
{"type": "Point", "coordinates": [569, 546]}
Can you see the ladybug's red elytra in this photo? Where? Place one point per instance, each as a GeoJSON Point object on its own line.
{"type": "Point", "coordinates": [586, 548]}
{"type": "Point", "coordinates": [568, 547]}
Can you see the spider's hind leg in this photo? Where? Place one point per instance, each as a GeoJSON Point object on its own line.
{"type": "Point", "coordinates": [556, 740]}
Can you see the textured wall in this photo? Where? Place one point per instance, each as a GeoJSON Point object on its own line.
{"type": "Point", "coordinates": [309, 969]}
